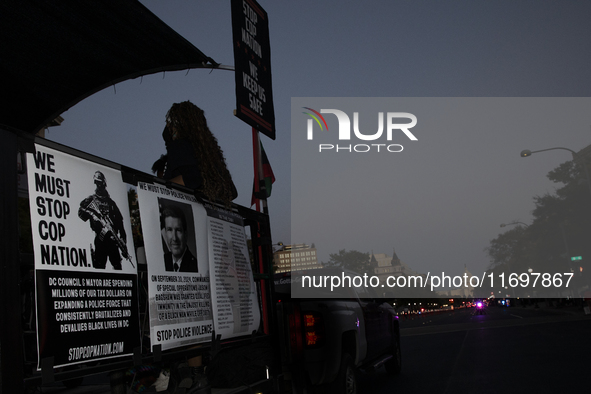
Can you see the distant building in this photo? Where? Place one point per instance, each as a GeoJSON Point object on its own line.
{"type": "Point", "coordinates": [295, 258]}
{"type": "Point", "coordinates": [461, 292]}
{"type": "Point", "coordinates": [385, 266]}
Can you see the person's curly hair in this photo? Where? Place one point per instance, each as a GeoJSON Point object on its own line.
{"type": "Point", "coordinates": [189, 121]}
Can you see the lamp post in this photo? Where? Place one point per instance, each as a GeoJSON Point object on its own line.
{"type": "Point", "coordinates": [514, 223]}
{"type": "Point", "coordinates": [576, 157]}
{"type": "Point", "coordinates": [528, 153]}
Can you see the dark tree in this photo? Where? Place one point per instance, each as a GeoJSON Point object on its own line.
{"type": "Point", "coordinates": [351, 260]}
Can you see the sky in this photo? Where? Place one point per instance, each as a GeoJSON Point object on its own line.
{"type": "Point", "coordinates": [447, 193]}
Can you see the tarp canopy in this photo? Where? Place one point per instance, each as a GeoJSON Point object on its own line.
{"type": "Point", "coordinates": [55, 53]}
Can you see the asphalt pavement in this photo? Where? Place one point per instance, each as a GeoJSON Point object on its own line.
{"type": "Point", "coordinates": [505, 350]}
{"type": "Point", "coordinates": [542, 349]}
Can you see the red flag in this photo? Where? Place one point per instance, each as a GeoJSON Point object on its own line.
{"type": "Point", "coordinates": [268, 178]}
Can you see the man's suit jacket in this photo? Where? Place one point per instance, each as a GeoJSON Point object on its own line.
{"type": "Point", "coordinates": [188, 263]}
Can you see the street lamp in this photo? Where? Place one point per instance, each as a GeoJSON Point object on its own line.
{"type": "Point", "coordinates": [528, 153]}
{"type": "Point", "coordinates": [513, 223]}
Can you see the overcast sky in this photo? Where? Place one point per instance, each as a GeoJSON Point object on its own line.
{"type": "Point", "coordinates": [453, 187]}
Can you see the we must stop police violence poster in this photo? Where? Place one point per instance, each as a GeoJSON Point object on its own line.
{"type": "Point", "coordinates": [199, 273]}
{"type": "Point", "coordinates": [85, 263]}
{"type": "Point", "coordinates": [174, 231]}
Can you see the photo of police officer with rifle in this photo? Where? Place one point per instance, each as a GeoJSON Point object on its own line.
{"type": "Point", "coordinates": [107, 223]}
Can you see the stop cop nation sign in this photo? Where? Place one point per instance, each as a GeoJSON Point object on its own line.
{"type": "Point", "coordinates": [252, 63]}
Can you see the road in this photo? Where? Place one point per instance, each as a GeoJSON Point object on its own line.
{"type": "Point", "coordinates": [506, 350]}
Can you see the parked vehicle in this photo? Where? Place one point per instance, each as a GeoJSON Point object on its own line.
{"type": "Point", "coordinates": [329, 340]}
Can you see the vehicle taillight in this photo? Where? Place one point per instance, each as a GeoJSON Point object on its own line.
{"type": "Point", "coordinates": [313, 327]}
{"type": "Point", "coordinates": [294, 330]}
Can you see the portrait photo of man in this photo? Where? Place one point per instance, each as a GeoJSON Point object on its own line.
{"type": "Point", "coordinates": [176, 234]}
